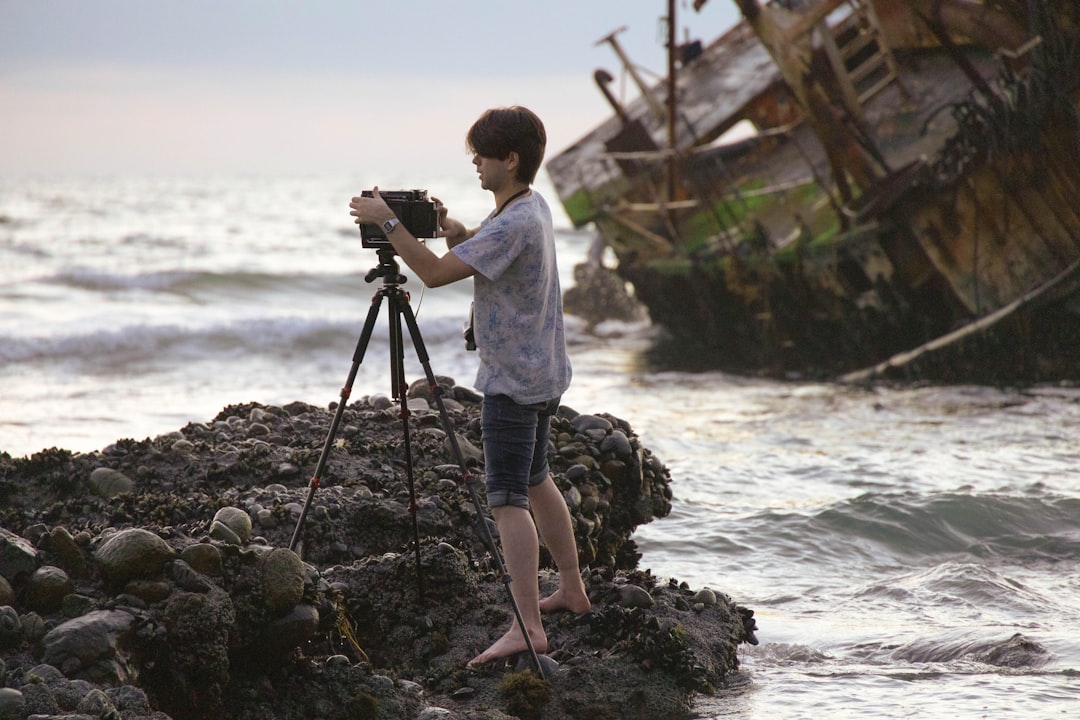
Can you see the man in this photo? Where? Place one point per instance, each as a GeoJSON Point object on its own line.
{"type": "Point", "coordinates": [524, 369]}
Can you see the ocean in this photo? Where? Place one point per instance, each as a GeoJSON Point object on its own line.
{"type": "Point", "coordinates": [910, 552]}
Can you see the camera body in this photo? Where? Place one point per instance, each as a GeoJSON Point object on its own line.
{"type": "Point", "coordinates": [412, 207]}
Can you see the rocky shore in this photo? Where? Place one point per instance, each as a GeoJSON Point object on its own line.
{"type": "Point", "coordinates": [154, 579]}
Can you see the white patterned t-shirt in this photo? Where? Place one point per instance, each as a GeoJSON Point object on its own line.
{"type": "Point", "coordinates": [518, 314]}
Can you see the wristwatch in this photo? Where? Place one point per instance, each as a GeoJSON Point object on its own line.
{"type": "Point", "coordinates": [389, 225]}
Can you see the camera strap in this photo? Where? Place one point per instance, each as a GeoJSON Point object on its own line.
{"type": "Point", "coordinates": [509, 200]}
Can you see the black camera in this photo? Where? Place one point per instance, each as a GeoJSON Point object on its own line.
{"type": "Point", "coordinates": [412, 207]}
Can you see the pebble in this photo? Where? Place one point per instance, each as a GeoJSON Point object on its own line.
{"type": "Point", "coordinates": [203, 558]}
{"type": "Point", "coordinates": [258, 430]}
{"type": "Point", "coordinates": [187, 578]}
{"type": "Point", "coordinates": [573, 498]}
{"type": "Point", "coordinates": [634, 596]}
{"type": "Point", "coordinates": [133, 553]}
{"type": "Point", "coordinates": [548, 667]}
{"type": "Point", "coordinates": [10, 627]}
{"type": "Point", "coordinates": [87, 646]}
{"type": "Point", "coordinates": [706, 597]}
{"type": "Point", "coordinates": [618, 443]}
{"type": "Point", "coordinates": [266, 519]}
{"type": "Point", "coordinates": [109, 483]}
{"type": "Point", "coordinates": [33, 627]}
{"type": "Point", "coordinates": [183, 447]}
{"type": "Point", "coordinates": [68, 554]}
{"type": "Point", "coordinates": [288, 471]}
{"type": "Point", "coordinates": [12, 704]}
{"type": "Point", "coordinates": [282, 580]}
{"type": "Point", "coordinates": [380, 402]}
{"type": "Point", "coordinates": [17, 555]}
{"type": "Point", "coordinates": [96, 704]}
{"type": "Point", "coordinates": [583, 422]}
{"type": "Point", "coordinates": [148, 591]}
{"type": "Point", "coordinates": [46, 589]}
{"type": "Point", "coordinates": [220, 531]}
{"type": "Point", "coordinates": [236, 520]}
{"type": "Point", "coordinates": [291, 630]}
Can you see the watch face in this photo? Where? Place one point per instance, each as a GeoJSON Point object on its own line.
{"type": "Point", "coordinates": [389, 225]}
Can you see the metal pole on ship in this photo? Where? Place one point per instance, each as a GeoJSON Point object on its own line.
{"type": "Point", "coordinates": [671, 104]}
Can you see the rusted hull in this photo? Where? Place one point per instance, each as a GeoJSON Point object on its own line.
{"type": "Point", "coordinates": [760, 266]}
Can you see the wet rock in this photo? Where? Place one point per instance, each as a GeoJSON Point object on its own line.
{"type": "Point", "coordinates": [88, 646]}
{"type": "Point", "coordinates": [706, 597]}
{"type": "Point", "coordinates": [618, 443]}
{"type": "Point", "coordinates": [33, 627]}
{"type": "Point", "coordinates": [47, 588]}
{"type": "Point", "coordinates": [1017, 652]}
{"type": "Point", "coordinates": [66, 552]}
{"type": "Point", "coordinates": [10, 627]}
{"type": "Point", "coordinates": [469, 451]}
{"type": "Point", "coordinates": [237, 520]}
{"type": "Point", "coordinates": [632, 596]}
{"type": "Point", "coordinates": [186, 578]}
{"type": "Point", "coordinates": [282, 580]}
{"type": "Point", "coordinates": [289, 631]}
{"type": "Point", "coordinates": [109, 483]}
{"type": "Point", "coordinates": [222, 532]}
{"type": "Point", "coordinates": [203, 558]}
{"type": "Point", "coordinates": [130, 701]}
{"type": "Point", "coordinates": [236, 625]}
{"type": "Point", "coordinates": [149, 591]}
{"type": "Point", "coordinates": [17, 555]}
{"type": "Point", "coordinates": [585, 423]}
{"type": "Point", "coordinates": [97, 704]}
{"type": "Point", "coordinates": [7, 595]}
{"type": "Point", "coordinates": [12, 704]}
{"type": "Point", "coordinates": [133, 553]}
{"type": "Point", "coordinates": [599, 294]}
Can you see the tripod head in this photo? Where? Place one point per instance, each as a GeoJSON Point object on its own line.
{"type": "Point", "coordinates": [388, 268]}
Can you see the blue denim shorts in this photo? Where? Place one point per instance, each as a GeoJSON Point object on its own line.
{"type": "Point", "coordinates": [515, 447]}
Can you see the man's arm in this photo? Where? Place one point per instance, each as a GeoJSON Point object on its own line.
{"type": "Point", "coordinates": [433, 270]}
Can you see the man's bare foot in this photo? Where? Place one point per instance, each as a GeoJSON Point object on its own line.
{"type": "Point", "coordinates": [512, 643]}
{"type": "Point", "coordinates": [564, 599]}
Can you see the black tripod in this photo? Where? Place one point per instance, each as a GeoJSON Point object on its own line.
{"type": "Point", "coordinates": [398, 300]}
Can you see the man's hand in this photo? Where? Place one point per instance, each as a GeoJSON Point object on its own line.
{"type": "Point", "coordinates": [371, 210]}
{"type": "Point", "coordinates": [453, 230]}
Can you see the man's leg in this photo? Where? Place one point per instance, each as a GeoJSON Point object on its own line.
{"type": "Point", "coordinates": [521, 552]}
{"type": "Point", "coordinates": [555, 525]}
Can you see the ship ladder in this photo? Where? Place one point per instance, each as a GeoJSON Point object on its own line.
{"type": "Point", "coordinates": [860, 55]}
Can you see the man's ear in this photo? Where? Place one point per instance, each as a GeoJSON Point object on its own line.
{"type": "Point", "coordinates": [513, 160]}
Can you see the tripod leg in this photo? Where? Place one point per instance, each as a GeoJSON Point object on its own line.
{"type": "Point", "coordinates": [346, 391]}
{"type": "Point", "coordinates": [397, 371]}
{"type": "Point", "coordinates": [437, 391]}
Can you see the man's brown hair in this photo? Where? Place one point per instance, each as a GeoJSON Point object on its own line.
{"type": "Point", "coordinates": [501, 131]}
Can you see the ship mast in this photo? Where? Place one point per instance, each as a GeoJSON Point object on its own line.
{"type": "Point", "coordinates": [672, 105]}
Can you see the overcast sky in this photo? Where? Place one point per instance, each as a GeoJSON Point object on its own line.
{"type": "Point", "coordinates": [305, 86]}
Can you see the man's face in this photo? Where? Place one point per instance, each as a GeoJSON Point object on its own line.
{"type": "Point", "coordinates": [494, 174]}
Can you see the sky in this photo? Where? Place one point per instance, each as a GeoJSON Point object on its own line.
{"type": "Point", "coordinates": [195, 87]}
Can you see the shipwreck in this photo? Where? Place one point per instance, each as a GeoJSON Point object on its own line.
{"type": "Point", "coordinates": [851, 189]}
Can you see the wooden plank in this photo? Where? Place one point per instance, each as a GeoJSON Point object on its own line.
{"type": "Point", "coordinates": [810, 18]}
{"type": "Point", "coordinates": [1062, 285]}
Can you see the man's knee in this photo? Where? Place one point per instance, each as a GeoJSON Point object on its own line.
{"type": "Point", "coordinates": [504, 498]}
{"type": "Point", "coordinates": [539, 477]}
